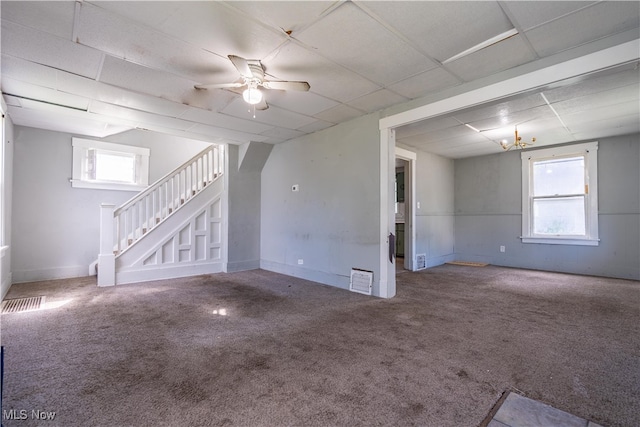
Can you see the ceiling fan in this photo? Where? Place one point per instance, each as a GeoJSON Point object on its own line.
{"type": "Point", "coordinates": [252, 75]}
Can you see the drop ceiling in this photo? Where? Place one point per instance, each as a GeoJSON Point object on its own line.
{"type": "Point", "coordinates": [99, 68]}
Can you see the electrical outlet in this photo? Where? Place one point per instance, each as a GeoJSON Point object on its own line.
{"type": "Point", "coordinates": [300, 261]}
{"type": "Point", "coordinates": [502, 248]}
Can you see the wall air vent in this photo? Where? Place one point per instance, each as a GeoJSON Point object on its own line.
{"type": "Point", "coordinates": [361, 281]}
{"type": "Point", "coordinates": [421, 261]}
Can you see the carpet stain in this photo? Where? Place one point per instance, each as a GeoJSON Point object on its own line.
{"type": "Point", "coordinates": [462, 374]}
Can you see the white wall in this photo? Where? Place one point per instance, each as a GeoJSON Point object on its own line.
{"type": "Point", "coordinates": [56, 227]}
{"type": "Point", "coordinates": [332, 222]}
{"type": "Point", "coordinates": [489, 214]}
{"type": "Point", "coordinates": [6, 194]}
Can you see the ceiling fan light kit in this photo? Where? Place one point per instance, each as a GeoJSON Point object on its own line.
{"type": "Point", "coordinates": [252, 95]}
{"type": "Point", "coordinates": [252, 73]}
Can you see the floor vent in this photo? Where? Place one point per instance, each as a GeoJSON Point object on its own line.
{"type": "Point", "coordinates": [421, 261]}
{"type": "Point", "coordinates": [20, 305]}
{"type": "Point", "coordinates": [361, 281]}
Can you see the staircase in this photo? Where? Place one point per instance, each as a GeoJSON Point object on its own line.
{"type": "Point", "coordinates": [167, 229]}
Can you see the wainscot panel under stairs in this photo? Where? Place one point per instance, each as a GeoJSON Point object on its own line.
{"type": "Point", "coordinates": [172, 229]}
{"type": "Point", "coordinates": [187, 243]}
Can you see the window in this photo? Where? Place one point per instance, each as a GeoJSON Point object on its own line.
{"type": "Point", "coordinates": [108, 166]}
{"type": "Point", "coordinates": [560, 195]}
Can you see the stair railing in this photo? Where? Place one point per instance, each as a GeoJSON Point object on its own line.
{"type": "Point", "coordinates": [149, 208]}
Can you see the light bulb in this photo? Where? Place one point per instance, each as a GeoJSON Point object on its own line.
{"type": "Point", "coordinates": [252, 95]}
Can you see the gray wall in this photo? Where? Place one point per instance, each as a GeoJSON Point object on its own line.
{"type": "Point", "coordinates": [332, 222]}
{"type": "Point", "coordinates": [56, 227]}
{"type": "Point", "coordinates": [435, 218]}
{"type": "Point", "coordinates": [7, 179]}
{"type": "Point", "coordinates": [244, 187]}
{"type": "Point", "coordinates": [488, 214]}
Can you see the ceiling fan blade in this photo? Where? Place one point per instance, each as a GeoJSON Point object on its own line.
{"type": "Point", "coordinates": [242, 66]}
{"type": "Point", "coordinates": [219, 85]}
{"type": "Point", "coordinates": [301, 86]}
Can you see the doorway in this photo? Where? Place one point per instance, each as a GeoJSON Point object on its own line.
{"type": "Point", "coordinates": [404, 202]}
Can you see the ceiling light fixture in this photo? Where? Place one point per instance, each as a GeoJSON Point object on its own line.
{"type": "Point", "coordinates": [517, 142]}
{"type": "Point", "coordinates": [252, 94]}
{"type": "Point", "coordinates": [493, 40]}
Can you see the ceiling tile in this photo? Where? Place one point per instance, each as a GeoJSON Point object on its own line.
{"type": "Point", "coordinates": [27, 71]}
{"type": "Point", "coordinates": [280, 134]}
{"type": "Point", "coordinates": [426, 126]}
{"type": "Point", "coordinates": [225, 121]}
{"type": "Point", "coordinates": [602, 114]}
{"type": "Point", "coordinates": [274, 116]}
{"type": "Point", "coordinates": [307, 103]}
{"type": "Point", "coordinates": [79, 123]}
{"type": "Point", "coordinates": [141, 118]}
{"type": "Point", "coordinates": [138, 78]}
{"type": "Point", "coordinates": [44, 94]}
{"type": "Point", "coordinates": [500, 56]}
{"type": "Point", "coordinates": [377, 101]}
{"type": "Point", "coordinates": [139, 11]}
{"type": "Point", "coordinates": [226, 134]}
{"type": "Point", "coordinates": [226, 31]}
{"type": "Point", "coordinates": [286, 16]}
{"type": "Point", "coordinates": [513, 119]}
{"type": "Point", "coordinates": [588, 85]}
{"type": "Point", "coordinates": [591, 23]}
{"type": "Point", "coordinates": [117, 36]}
{"type": "Point", "coordinates": [502, 109]}
{"type": "Point", "coordinates": [55, 18]}
{"type": "Point", "coordinates": [293, 62]}
{"type": "Point", "coordinates": [42, 48]}
{"type": "Point", "coordinates": [443, 29]}
{"type": "Point", "coordinates": [315, 126]}
{"type": "Point", "coordinates": [601, 99]}
{"type": "Point", "coordinates": [351, 38]}
{"type": "Point", "coordinates": [339, 114]}
{"type": "Point", "coordinates": [531, 14]}
{"type": "Point", "coordinates": [624, 125]}
{"type": "Point", "coordinates": [430, 81]}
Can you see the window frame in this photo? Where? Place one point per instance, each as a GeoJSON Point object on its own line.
{"type": "Point", "coordinates": [81, 148]}
{"type": "Point", "coordinates": [589, 151]}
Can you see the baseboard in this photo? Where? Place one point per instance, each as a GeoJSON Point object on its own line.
{"type": "Point", "coordinates": [24, 276]}
{"type": "Point", "coordinates": [167, 272]}
{"type": "Point", "coordinates": [338, 281]}
{"type": "Point", "coordinates": [5, 286]}
{"type": "Point", "coordinates": [243, 265]}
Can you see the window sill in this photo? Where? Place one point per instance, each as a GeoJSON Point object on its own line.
{"type": "Point", "coordinates": [75, 183]}
{"type": "Point", "coordinates": [561, 241]}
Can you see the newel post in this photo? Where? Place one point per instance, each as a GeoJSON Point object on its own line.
{"type": "Point", "coordinates": [106, 258]}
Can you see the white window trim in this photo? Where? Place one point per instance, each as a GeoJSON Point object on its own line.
{"type": "Point", "coordinates": [590, 151]}
{"type": "Point", "coordinates": [80, 148]}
